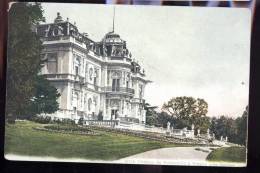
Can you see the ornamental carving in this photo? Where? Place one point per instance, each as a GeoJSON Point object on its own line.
{"type": "Point", "coordinates": [116, 74]}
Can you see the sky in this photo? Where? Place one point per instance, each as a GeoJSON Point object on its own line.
{"type": "Point", "coordinates": [185, 51]}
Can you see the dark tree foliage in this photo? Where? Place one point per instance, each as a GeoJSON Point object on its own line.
{"type": "Point", "coordinates": [44, 100]}
{"type": "Point", "coordinates": [242, 127]}
{"type": "Point", "coordinates": [234, 129]}
{"type": "Point", "coordinates": [100, 116]}
{"type": "Point", "coordinates": [24, 63]}
{"type": "Point", "coordinates": [185, 111]}
{"type": "Point", "coordinates": [151, 115]}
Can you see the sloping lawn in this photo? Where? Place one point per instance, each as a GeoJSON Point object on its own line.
{"type": "Point", "coordinates": [22, 139]}
{"type": "Point", "coordinates": [228, 154]}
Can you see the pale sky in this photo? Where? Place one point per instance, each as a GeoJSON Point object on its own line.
{"type": "Point", "coordinates": [186, 51]}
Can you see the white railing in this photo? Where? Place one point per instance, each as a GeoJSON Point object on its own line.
{"type": "Point", "coordinates": [110, 123]}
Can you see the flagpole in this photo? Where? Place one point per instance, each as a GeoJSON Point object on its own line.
{"type": "Point", "coordinates": [114, 20]}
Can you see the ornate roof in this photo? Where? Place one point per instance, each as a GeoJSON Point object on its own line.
{"type": "Point", "coordinates": [112, 37]}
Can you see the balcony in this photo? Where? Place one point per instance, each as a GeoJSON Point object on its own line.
{"type": "Point", "coordinates": [138, 100]}
{"type": "Point", "coordinates": [116, 90]}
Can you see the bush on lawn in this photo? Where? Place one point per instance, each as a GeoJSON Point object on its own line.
{"type": "Point", "coordinates": [64, 121]}
{"type": "Point", "coordinates": [80, 122]}
{"type": "Point", "coordinates": [41, 119]}
{"type": "Point", "coordinates": [71, 128]}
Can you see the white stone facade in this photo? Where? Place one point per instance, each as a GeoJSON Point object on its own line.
{"type": "Point", "coordinates": [92, 77]}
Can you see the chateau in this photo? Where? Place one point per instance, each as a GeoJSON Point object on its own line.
{"type": "Point", "coordinates": [95, 79]}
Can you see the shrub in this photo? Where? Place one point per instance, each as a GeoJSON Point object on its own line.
{"type": "Point", "coordinates": [71, 128]}
{"type": "Point", "coordinates": [80, 122]}
{"type": "Point", "coordinates": [65, 121]}
{"type": "Point", "coordinates": [10, 119]}
{"type": "Point", "coordinates": [41, 119]}
{"type": "Point", "coordinates": [100, 116]}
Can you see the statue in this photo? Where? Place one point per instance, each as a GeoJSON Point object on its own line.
{"type": "Point", "coordinates": [168, 125]}
{"type": "Point", "coordinates": [208, 135]}
{"type": "Point", "coordinates": [221, 138]}
{"type": "Point", "coordinates": [198, 132]}
{"type": "Point", "coordinates": [168, 130]}
{"type": "Point", "coordinates": [192, 127]}
{"type": "Point", "coordinates": [226, 139]}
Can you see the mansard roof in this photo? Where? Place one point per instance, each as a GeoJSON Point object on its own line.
{"type": "Point", "coordinates": [111, 40]}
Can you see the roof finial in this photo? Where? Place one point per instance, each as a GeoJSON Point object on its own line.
{"type": "Point", "coordinates": [58, 18]}
{"type": "Point", "coordinates": [114, 20]}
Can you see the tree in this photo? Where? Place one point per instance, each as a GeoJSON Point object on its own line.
{"type": "Point", "coordinates": [242, 128]}
{"type": "Point", "coordinates": [100, 116]}
{"type": "Point", "coordinates": [163, 118]}
{"type": "Point", "coordinates": [234, 129]}
{"type": "Point", "coordinates": [222, 126]}
{"type": "Point", "coordinates": [151, 115]}
{"type": "Point", "coordinates": [188, 111]}
{"type": "Point", "coordinates": [24, 63]}
{"type": "Point", "coordinates": [44, 100]}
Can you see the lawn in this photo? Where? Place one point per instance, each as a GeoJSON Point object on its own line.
{"type": "Point", "coordinates": [22, 139]}
{"type": "Point", "coordinates": [228, 154]}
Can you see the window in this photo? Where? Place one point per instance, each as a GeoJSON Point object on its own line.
{"type": "Point", "coordinates": [95, 81]}
{"type": "Point", "coordinates": [108, 77]}
{"type": "Point", "coordinates": [75, 99]}
{"type": "Point", "coordinates": [77, 70]}
{"type": "Point", "coordinates": [52, 62]}
{"type": "Point", "coordinates": [77, 65]}
{"type": "Point", "coordinates": [89, 104]}
{"type": "Point", "coordinates": [140, 91]}
{"type": "Point", "coordinates": [115, 85]}
{"type": "Point", "coordinates": [86, 71]}
{"type": "Point", "coordinates": [85, 102]}
{"type": "Point", "coordinates": [95, 77]}
{"type": "Point", "coordinates": [90, 74]}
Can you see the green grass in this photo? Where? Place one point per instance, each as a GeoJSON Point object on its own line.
{"type": "Point", "coordinates": [228, 154]}
{"type": "Point", "coordinates": [22, 139]}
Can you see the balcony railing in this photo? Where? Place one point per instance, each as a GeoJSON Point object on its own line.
{"type": "Point", "coordinates": [138, 100]}
{"type": "Point", "coordinates": [118, 90]}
